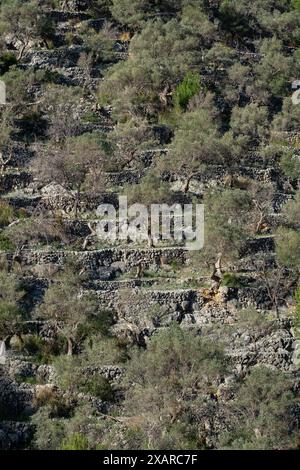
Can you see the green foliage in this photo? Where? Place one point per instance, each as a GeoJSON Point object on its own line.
{"type": "Point", "coordinates": [67, 369]}
{"type": "Point", "coordinates": [33, 344]}
{"type": "Point", "coordinates": [231, 280]}
{"type": "Point", "coordinates": [59, 104]}
{"type": "Point", "coordinates": [128, 140]}
{"type": "Point", "coordinates": [250, 122]}
{"type": "Point", "coordinates": [151, 190]}
{"type": "Point", "coordinates": [275, 67]}
{"type": "Point", "coordinates": [195, 18]}
{"type": "Point", "coordinates": [25, 22]}
{"type": "Point", "coordinates": [103, 350]}
{"type": "Point", "coordinates": [98, 386]}
{"type": "Point", "coordinates": [45, 28]}
{"type": "Point", "coordinates": [6, 214]}
{"type": "Point", "coordinates": [28, 380]}
{"type": "Point", "coordinates": [100, 7]}
{"type": "Point", "coordinates": [5, 244]}
{"type": "Point", "coordinates": [135, 13]}
{"type": "Point", "coordinates": [78, 165]}
{"type": "Point", "coordinates": [297, 309]}
{"type": "Point", "coordinates": [288, 247]}
{"type": "Point", "coordinates": [35, 231]}
{"type": "Point", "coordinates": [296, 4]}
{"type": "Point", "coordinates": [231, 18]}
{"type": "Point", "coordinates": [54, 403]}
{"type": "Point", "coordinates": [254, 320]}
{"type": "Point", "coordinates": [41, 351]}
{"type": "Point", "coordinates": [176, 366]}
{"type": "Point", "coordinates": [11, 311]}
{"type": "Point", "coordinates": [75, 442]}
{"type": "Point", "coordinates": [50, 432]}
{"type": "Point", "coordinates": [255, 18]}
{"type": "Point", "coordinates": [178, 52]}
{"type": "Point", "coordinates": [218, 74]}
{"type": "Point", "coordinates": [7, 59]}
{"type": "Point", "coordinates": [291, 211]}
{"type": "Point", "coordinates": [195, 146]}
{"type": "Point", "coordinates": [17, 83]}
{"type": "Point", "coordinates": [288, 120]}
{"type": "Point", "coordinates": [188, 88]}
{"type": "Point", "coordinates": [73, 375]}
{"type": "Point", "coordinates": [262, 410]}
{"type": "Point", "coordinates": [227, 217]}
{"type": "Point", "coordinates": [100, 46]}
{"type": "Point", "coordinates": [66, 310]}
{"type": "Point", "coordinates": [290, 164]}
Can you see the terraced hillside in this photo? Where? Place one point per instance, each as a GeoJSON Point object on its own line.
{"type": "Point", "coordinates": [144, 344]}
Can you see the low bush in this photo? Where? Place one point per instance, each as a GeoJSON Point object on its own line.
{"type": "Point", "coordinates": [188, 88]}
{"type": "Point", "coordinates": [75, 442]}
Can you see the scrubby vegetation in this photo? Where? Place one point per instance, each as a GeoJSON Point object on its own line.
{"type": "Point", "coordinates": [139, 344]}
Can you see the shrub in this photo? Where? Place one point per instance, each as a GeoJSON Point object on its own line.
{"type": "Point", "coordinates": [288, 247]}
{"type": "Point", "coordinates": [33, 344]}
{"type": "Point", "coordinates": [34, 231]}
{"type": "Point", "coordinates": [169, 385]}
{"type": "Point", "coordinates": [188, 88]}
{"type": "Point", "coordinates": [71, 376]}
{"type": "Point", "coordinates": [42, 351]}
{"type": "Point", "coordinates": [261, 413]}
{"type": "Point", "coordinates": [49, 432]}
{"type": "Point", "coordinates": [56, 405]}
{"type": "Point", "coordinates": [5, 244]}
{"type": "Point", "coordinates": [178, 52]}
{"type": "Point", "coordinates": [67, 372]}
{"type": "Point", "coordinates": [6, 214]}
{"type": "Point", "coordinates": [255, 320]}
{"type": "Point", "coordinates": [231, 280]}
{"type": "Point", "coordinates": [297, 309]}
{"type": "Point", "coordinates": [75, 442]}
{"type": "Point", "coordinates": [151, 190]}
{"type": "Point", "coordinates": [98, 386]}
{"type": "Point", "coordinates": [296, 4]}
{"type": "Point", "coordinates": [290, 165]}
{"type": "Point", "coordinates": [12, 313]}
{"type": "Point", "coordinates": [28, 380]}
{"type": "Point", "coordinates": [7, 59]}
{"type": "Point", "coordinates": [103, 350]}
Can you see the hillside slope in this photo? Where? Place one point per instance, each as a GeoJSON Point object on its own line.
{"type": "Point", "coordinates": [142, 344]}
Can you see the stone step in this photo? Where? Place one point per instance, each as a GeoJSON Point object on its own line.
{"type": "Point", "coordinates": [134, 283]}
{"type": "Point", "coordinates": [94, 261]}
{"type": "Point", "coordinates": [55, 200]}
{"type": "Point", "coordinates": [64, 58]}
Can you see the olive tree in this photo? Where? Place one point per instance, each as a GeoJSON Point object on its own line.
{"type": "Point", "coordinates": [77, 164]}
{"type": "Point", "coordinates": [12, 314]}
{"type": "Point", "coordinates": [288, 120]}
{"type": "Point", "coordinates": [196, 145]}
{"type": "Point", "coordinates": [67, 309]}
{"type": "Point", "coordinates": [60, 104]}
{"type": "Point", "coordinates": [129, 139]}
{"type": "Point", "coordinates": [228, 215]}
{"type": "Point", "coordinates": [24, 22]}
{"type": "Point", "coordinates": [250, 123]}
